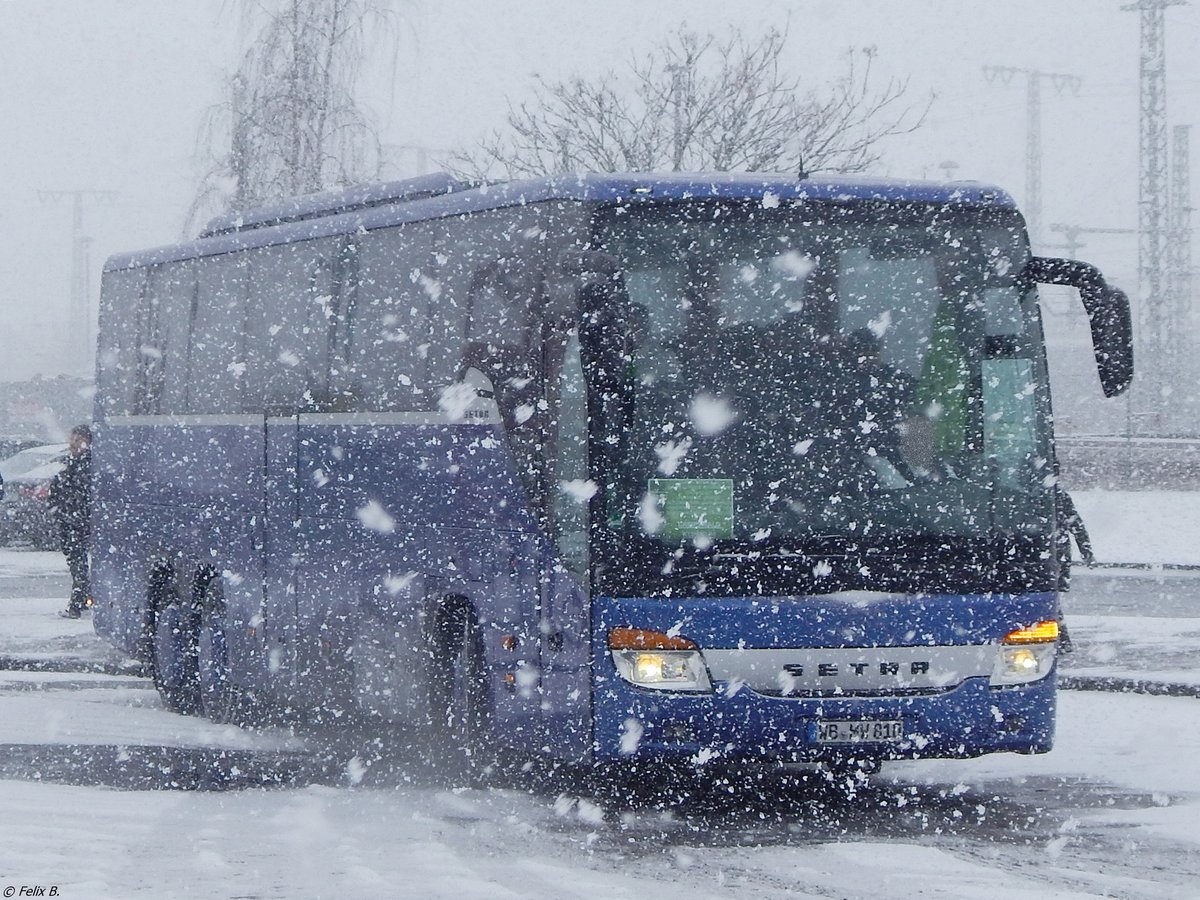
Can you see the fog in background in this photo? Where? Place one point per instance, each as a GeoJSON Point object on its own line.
{"type": "Point", "coordinates": [108, 97]}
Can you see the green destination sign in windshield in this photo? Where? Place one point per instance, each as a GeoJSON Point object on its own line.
{"type": "Point", "coordinates": [694, 507]}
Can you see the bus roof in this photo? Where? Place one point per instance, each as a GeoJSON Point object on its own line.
{"type": "Point", "coordinates": [440, 195]}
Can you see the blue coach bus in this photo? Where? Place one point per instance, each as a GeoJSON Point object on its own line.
{"type": "Point", "coordinates": [699, 468]}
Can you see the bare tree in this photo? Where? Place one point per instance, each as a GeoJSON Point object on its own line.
{"type": "Point", "coordinates": [699, 103]}
{"type": "Point", "coordinates": [290, 124]}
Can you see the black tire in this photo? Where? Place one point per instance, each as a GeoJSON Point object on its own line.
{"type": "Point", "coordinates": [459, 700]}
{"type": "Point", "coordinates": [172, 626]}
{"type": "Point", "coordinates": [220, 698]}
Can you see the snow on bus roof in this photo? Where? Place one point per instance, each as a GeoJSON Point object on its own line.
{"type": "Point", "coordinates": [440, 195]}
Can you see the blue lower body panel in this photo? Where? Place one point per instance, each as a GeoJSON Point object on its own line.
{"type": "Point", "coordinates": [969, 721]}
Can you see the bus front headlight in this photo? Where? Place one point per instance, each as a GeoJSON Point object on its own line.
{"type": "Point", "coordinates": [660, 662]}
{"type": "Point", "coordinates": [1026, 655]}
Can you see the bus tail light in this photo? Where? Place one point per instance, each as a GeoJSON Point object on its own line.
{"type": "Point", "coordinates": [1026, 654]}
{"type": "Point", "coordinates": [658, 661]}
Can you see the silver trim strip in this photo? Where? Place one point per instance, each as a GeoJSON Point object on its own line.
{"type": "Point", "coordinates": [183, 421]}
{"type": "Point", "coordinates": [472, 417]}
{"type": "Point", "coordinates": [822, 671]}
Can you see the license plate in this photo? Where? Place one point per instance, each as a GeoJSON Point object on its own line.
{"type": "Point", "coordinates": [839, 731]}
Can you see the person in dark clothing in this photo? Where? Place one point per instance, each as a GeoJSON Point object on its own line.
{"type": "Point", "coordinates": [71, 502]}
{"type": "Point", "coordinates": [1074, 527]}
{"type": "Point", "coordinates": [1070, 525]}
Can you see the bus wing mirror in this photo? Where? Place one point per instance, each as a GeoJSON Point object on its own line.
{"type": "Point", "coordinates": [1108, 315]}
{"type": "Point", "coordinates": [1112, 340]}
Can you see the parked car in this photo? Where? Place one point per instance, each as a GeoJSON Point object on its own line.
{"type": "Point", "coordinates": [10, 445]}
{"type": "Point", "coordinates": [25, 512]}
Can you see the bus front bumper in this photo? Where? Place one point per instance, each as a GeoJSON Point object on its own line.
{"type": "Point", "coordinates": [734, 723]}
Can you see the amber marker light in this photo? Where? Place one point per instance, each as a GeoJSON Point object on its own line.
{"type": "Point", "coordinates": [1041, 633]}
{"type": "Point", "coordinates": [644, 639]}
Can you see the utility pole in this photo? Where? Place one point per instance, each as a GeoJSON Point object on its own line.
{"type": "Point", "coordinates": [1154, 313]}
{"type": "Point", "coordinates": [1179, 245]}
{"type": "Point", "coordinates": [1179, 278]}
{"type": "Point", "coordinates": [1033, 132]}
{"type": "Point", "coordinates": [677, 73]}
{"type": "Point", "coordinates": [80, 340]}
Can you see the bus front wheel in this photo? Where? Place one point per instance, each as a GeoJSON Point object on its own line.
{"type": "Point", "coordinates": [458, 695]}
{"type": "Point", "coordinates": [221, 699]}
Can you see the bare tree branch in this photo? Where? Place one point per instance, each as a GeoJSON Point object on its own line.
{"type": "Point", "coordinates": [291, 125]}
{"type": "Point", "coordinates": [699, 103]}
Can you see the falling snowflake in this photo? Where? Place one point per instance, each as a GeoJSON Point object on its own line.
{"type": "Point", "coordinates": [581, 490]}
{"type": "Point", "coordinates": [396, 583]}
{"type": "Point", "coordinates": [793, 265]}
{"type": "Point", "coordinates": [456, 399]}
{"type": "Point", "coordinates": [356, 769]}
{"type": "Point", "coordinates": [671, 455]}
{"type": "Point", "coordinates": [648, 514]}
{"type": "Point", "coordinates": [631, 736]}
{"type": "Point", "coordinates": [881, 323]}
{"type": "Point", "coordinates": [375, 518]}
{"type": "Point", "coordinates": [711, 415]}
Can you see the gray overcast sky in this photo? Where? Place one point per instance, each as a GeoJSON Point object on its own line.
{"type": "Point", "coordinates": [109, 95]}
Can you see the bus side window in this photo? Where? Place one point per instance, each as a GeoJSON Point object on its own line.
{"type": "Point", "coordinates": [488, 278]}
{"type": "Point", "coordinates": [499, 336]}
{"type": "Point", "coordinates": [148, 360]}
{"type": "Point", "coordinates": [292, 323]}
{"type": "Point", "coordinates": [163, 346]}
{"type": "Point", "coordinates": [387, 334]}
{"type": "Point", "coordinates": [120, 302]}
{"type": "Point", "coordinates": [217, 354]}
{"type": "Point", "coordinates": [493, 274]}
{"type": "Point", "coordinates": [501, 300]}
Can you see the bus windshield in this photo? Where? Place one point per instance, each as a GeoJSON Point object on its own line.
{"type": "Point", "coordinates": [822, 398]}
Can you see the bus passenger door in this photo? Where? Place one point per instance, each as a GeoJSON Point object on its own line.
{"type": "Point", "coordinates": [296, 295]}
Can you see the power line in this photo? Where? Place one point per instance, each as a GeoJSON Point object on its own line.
{"type": "Point", "coordinates": [1072, 244]}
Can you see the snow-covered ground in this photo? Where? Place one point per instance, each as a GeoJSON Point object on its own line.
{"type": "Point", "coordinates": [1113, 811]}
{"type": "Point", "coordinates": [1145, 527]}
{"type": "Point", "coordinates": [393, 839]}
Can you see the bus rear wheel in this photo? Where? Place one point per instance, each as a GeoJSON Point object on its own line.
{"type": "Point", "coordinates": [220, 698]}
{"type": "Point", "coordinates": [172, 644]}
{"type": "Point", "coordinates": [458, 695]}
